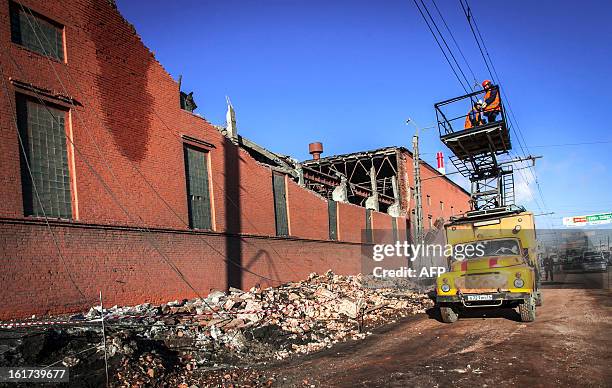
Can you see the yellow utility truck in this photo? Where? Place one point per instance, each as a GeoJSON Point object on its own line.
{"type": "Point", "coordinates": [493, 264]}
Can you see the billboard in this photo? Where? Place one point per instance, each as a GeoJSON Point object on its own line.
{"type": "Point", "coordinates": [593, 219]}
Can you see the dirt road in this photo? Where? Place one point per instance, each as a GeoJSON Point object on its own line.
{"type": "Point", "coordinates": [570, 344]}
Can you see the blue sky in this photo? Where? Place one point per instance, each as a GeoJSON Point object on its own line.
{"type": "Point", "coordinates": [349, 73]}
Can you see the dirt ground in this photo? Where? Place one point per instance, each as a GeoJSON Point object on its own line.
{"type": "Point", "coordinates": [569, 345]}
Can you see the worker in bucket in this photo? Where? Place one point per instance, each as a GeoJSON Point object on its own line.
{"type": "Point", "coordinates": [491, 106]}
{"type": "Point", "coordinates": [474, 116]}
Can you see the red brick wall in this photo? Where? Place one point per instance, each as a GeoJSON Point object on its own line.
{"type": "Point", "coordinates": [351, 222]}
{"type": "Point", "coordinates": [308, 214]}
{"type": "Point", "coordinates": [126, 267]}
{"type": "Point", "coordinates": [136, 132]}
{"type": "Point", "coordinates": [455, 200]}
{"type": "Point", "coordinates": [382, 228]}
{"type": "Point", "coordinates": [401, 227]}
{"type": "Point", "coordinates": [128, 156]}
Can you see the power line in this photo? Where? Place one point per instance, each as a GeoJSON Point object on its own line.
{"type": "Point", "coordinates": [455, 41]}
{"type": "Point", "coordinates": [177, 137]}
{"type": "Point", "coordinates": [516, 128]}
{"type": "Point", "coordinates": [476, 33]}
{"type": "Point", "coordinates": [572, 144]}
{"type": "Point", "coordinates": [468, 15]}
{"type": "Point", "coordinates": [229, 261]}
{"type": "Point", "coordinates": [467, 82]}
{"type": "Point", "coordinates": [37, 195]}
{"type": "Point", "coordinates": [440, 46]}
{"type": "Point", "coordinates": [114, 198]}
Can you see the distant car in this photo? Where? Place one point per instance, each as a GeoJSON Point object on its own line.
{"type": "Point", "coordinates": [594, 262]}
{"type": "Point", "coordinates": [608, 256]}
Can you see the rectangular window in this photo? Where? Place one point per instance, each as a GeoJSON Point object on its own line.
{"type": "Point", "coordinates": [441, 205]}
{"type": "Point", "coordinates": [198, 192]}
{"type": "Point", "coordinates": [452, 211]}
{"type": "Point", "coordinates": [333, 219]}
{"type": "Point", "coordinates": [36, 32]}
{"type": "Point", "coordinates": [46, 191]}
{"type": "Point", "coordinates": [368, 230]}
{"type": "Point", "coordinates": [430, 220]}
{"type": "Point", "coordinates": [280, 205]}
{"type": "Point", "coordinates": [428, 200]}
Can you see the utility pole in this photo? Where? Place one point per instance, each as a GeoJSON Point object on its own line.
{"type": "Point", "coordinates": [418, 199]}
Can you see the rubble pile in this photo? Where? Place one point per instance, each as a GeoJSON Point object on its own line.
{"type": "Point", "coordinates": [189, 341]}
{"type": "Point", "coordinates": [299, 317]}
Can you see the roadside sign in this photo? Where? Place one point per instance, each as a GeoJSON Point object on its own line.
{"type": "Point", "coordinates": [593, 219]}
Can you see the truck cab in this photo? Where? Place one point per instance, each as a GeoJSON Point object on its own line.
{"type": "Point", "coordinates": [494, 263]}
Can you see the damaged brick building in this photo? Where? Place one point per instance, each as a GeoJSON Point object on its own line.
{"type": "Point", "coordinates": [111, 183]}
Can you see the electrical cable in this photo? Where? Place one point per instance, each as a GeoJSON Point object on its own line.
{"type": "Point", "coordinates": [456, 43]}
{"type": "Point", "coordinates": [440, 46]}
{"type": "Point", "coordinates": [516, 128]}
{"type": "Point", "coordinates": [114, 198]}
{"type": "Point", "coordinates": [140, 172]}
{"type": "Point", "coordinates": [467, 82]}
{"type": "Point", "coordinates": [42, 208]}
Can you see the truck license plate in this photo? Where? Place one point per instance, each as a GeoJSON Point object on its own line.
{"type": "Point", "coordinates": [471, 298]}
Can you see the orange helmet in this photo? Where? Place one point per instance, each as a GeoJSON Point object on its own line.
{"type": "Point", "coordinates": [486, 82]}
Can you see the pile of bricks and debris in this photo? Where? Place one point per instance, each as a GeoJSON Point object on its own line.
{"type": "Point", "coordinates": [220, 338]}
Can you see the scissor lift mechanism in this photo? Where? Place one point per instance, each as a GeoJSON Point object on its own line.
{"type": "Point", "coordinates": [475, 155]}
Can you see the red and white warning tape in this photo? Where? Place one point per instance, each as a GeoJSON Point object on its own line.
{"type": "Point", "coordinates": [10, 325]}
{"type": "Point", "coordinates": [116, 317]}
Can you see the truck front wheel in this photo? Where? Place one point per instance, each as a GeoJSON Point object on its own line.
{"type": "Point", "coordinates": [528, 310]}
{"type": "Point", "coordinates": [449, 315]}
{"type": "Point", "coordinates": [539, 299]}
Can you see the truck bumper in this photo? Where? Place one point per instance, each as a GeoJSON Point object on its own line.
{"type": "Point", "coordinates": [495, 297]}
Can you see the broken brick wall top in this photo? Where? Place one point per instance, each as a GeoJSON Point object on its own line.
{"type": "Point", "coordinates": [126, 132]}
{"type": "Point", "coordinates": [125, 146]}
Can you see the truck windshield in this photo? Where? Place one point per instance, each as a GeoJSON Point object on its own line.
{"type": "Point", "coordinates": [485, 248]}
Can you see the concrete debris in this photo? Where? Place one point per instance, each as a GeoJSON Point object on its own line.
{"type": "Point", "coordinates": [182, 341]}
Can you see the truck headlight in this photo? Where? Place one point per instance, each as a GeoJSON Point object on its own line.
{"type": "Point", "coordinates": [519, 283]}
{"type": "Point", "coordinates": [445, 287]}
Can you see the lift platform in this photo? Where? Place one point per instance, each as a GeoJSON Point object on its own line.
{"type": "Point", "coordinates": [489, 137]}
{"type": "Point", "coordinates": [482, 139]}
{"type": "Point", "coordinates": [476, 150]}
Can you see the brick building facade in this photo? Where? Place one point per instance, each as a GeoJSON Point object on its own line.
{"type": "Point", "coordinates": [108, 185]}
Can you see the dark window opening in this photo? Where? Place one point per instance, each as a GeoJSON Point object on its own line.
{"type": "Point", "coordinates": [187, 102]}
{"type": "Point", "coordinates": [36, 32]}
{"type": "Point", "coordinates": [198, 192]}
{"type": "Point", "coordinates": [368, 231]}
{"type": "Point", "coordinates": [333, 219]}
{"type": "Point", "coordinates": [407, 230]}
{"type": "Point", "coordinates": [46, 192]}
{"type": "Point", "coordinates": [280, 205]}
